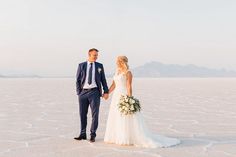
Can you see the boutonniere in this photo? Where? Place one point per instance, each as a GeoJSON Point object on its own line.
{"type": "Point", "coordinates": [99, 70]}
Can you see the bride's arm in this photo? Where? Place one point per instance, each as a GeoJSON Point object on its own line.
{"type": "Point", "coordinates": [113, 86]}
{"type": "Point", "coordinates": [129, 78]}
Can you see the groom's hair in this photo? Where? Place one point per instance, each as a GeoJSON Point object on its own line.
{"type": "Point", "coordinates": [93, 49]}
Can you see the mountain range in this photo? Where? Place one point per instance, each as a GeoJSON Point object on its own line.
{"type": "Point", "coordinates": [152, 70]}
{"type": "Point", "coordinates": [158, 69]}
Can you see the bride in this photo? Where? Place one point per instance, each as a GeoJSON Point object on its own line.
{"type": "Point", "coordinates": [129, 129]}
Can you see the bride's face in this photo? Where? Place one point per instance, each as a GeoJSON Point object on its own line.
{"type": "Point", "coordinates": [118, 63]}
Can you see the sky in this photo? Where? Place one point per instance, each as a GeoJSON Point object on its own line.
{"type": "Point", "coordinates": [50, 37]}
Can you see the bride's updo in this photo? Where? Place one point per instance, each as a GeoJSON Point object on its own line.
{"type": "Point", "coordinates": [122, 64]}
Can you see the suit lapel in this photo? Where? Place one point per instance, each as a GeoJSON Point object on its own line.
{"type": "Point", "coordinates": [96, 72]}
{"type": "Point", "coordinates": [85, 68]}
{"type": "Point", "coordinates": [96, 67]}
{"type": "Point", "coordinates": [85, 72]}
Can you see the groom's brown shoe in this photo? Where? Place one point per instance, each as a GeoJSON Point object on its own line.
{"type": "Point", "coordinates": [92, 139]}
{"type": "Point", "coordinates": [81, 137]}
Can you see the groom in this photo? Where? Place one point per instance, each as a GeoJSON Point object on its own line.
{"type": "Point", "coordinates": [89, 79]}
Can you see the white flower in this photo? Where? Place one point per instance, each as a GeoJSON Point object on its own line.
{"type": "Point", "coordinates": [132, 108]}
{"type": "Point", "coordinates": [131, 101]}
{"type": "Point", "coordinates": [99, 70]}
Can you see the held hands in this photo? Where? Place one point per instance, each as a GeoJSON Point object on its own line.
{"type": "Point", "coordinates": [105, 96]}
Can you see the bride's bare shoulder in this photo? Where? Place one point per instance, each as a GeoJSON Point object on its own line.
{"type": "Point", "coordinates": [129, 73]}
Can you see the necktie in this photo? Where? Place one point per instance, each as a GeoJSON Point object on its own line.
{"type": "Point", "coordinates": [90, 74]}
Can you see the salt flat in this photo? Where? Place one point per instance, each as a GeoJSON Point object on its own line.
{"type": "Point", "coordinates": [39, 118]}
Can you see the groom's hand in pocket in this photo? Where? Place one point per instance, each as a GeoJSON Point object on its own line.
{"type": "Point", "coordinates": [105, 96]}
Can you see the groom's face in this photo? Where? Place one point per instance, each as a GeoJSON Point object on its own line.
{"type": "Point", "coordinates": [93, 56]}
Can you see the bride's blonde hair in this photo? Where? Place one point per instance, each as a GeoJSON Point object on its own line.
{"type": "Point", "coordinates": [122, 64]}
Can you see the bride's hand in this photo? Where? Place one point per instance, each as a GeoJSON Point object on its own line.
{"type": "Point", "coordinates": [105, 96]}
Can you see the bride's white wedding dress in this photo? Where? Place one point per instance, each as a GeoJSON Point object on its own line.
{"type": "Point", "coordinates": [130, 129]}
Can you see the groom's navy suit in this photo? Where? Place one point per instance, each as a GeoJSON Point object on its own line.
{"type": "Point", "coordinates": [90, 97]}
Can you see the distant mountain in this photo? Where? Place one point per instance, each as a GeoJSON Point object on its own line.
{"type": "Point", "coordinates": [151, 69]}
{"type": "Point", "coordinates": [157, 69]}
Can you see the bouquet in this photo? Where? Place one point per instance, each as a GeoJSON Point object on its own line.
{"type": "Point", "coordinates": [128, 105]}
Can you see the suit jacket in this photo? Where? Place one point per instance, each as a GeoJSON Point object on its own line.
{"type": "Point", "coordinates": [100, 77]}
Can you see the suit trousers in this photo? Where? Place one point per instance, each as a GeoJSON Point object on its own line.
{"type": "Point", "coordinates": [90, 97]}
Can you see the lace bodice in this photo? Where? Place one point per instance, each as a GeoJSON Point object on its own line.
{"type": "Point", "coordinates": [120, 81]}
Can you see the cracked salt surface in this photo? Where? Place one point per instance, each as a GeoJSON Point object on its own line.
{"type": "Point", "coordinates": [39, 117]}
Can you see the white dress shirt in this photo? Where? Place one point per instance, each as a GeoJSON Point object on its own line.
{"type": "Point", "coordinates": [93, 84]}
